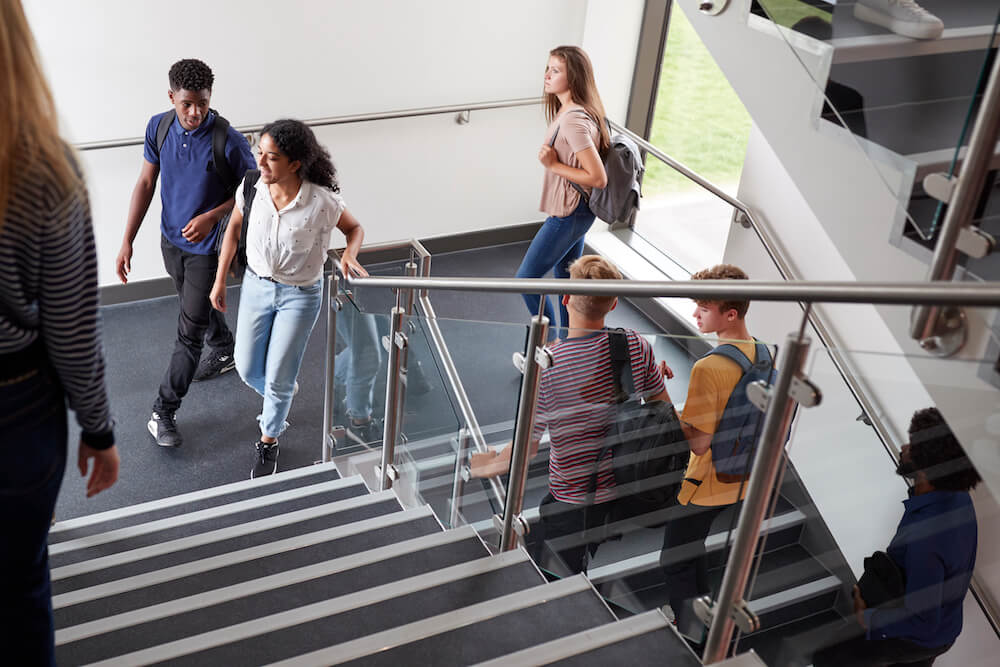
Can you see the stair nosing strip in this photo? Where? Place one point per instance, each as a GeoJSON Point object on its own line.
{"type": "Point", "coordinates": [260, 585]}
{"type": "Point", "coordinates": [315, 611]}
{"type": "Point", "coordinates": [208, 537]}
{"type": "Point", "coordinates": [714, 542]}
{"type": "Point", "coordinates": [800, 592]}
{"type": "Point", "coordinates": [163, 575]}
{"type": "Point", "coordinates": [435, 625]}
{"type": "Point", "coordinates": [148, 527]}
{"type": "Point", "coordinates": [868, 48]}
{"type": "Point", "coordinates": [583, 642]}
{"type": "Point", "coordinates": [202, 494]}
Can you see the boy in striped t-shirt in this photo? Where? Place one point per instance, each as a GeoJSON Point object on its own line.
{"type": "Point", "coordinates": [575, 403]}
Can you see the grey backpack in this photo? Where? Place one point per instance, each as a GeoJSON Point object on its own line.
{"type": "Point", "coordinates": [617, 200]}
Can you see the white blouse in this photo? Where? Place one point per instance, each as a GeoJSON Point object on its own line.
{"type": "Point", "coordinates": [290, 245]}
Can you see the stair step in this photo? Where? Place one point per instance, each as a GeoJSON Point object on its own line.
{"type": "Point", "coordinates": [474, 633]}
{"type": "Point", "coordinates": [792, 644]}
{"type": "Point", "coordinates": [646, 639]}
{"type": "Point", "coordinates": [230, 568]}
{"type": "Point", "coordinates": [172, 506]}
{"type": "Point", "coordinates": [213, 518]}
{"type": "Point", "coordinates": [153, 558]}
{"type": "Point", "coordinates": [781, 569]}
{"type": "Point", "coordinates": [342, 619]}
{"type": "Point", "coordinates": [261, 596]}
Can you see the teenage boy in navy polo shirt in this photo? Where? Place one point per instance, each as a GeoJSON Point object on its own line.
{"type": "Point", "coordinates": [195, 198]}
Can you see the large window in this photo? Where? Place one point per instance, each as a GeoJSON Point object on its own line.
{"type": "Point", "coordinates": [699, 121]}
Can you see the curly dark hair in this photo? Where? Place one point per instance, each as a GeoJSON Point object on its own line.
{"type": "Point", "coordinates": [298, 142]}
{"type": "Point", "coordinates": [190, 74]}
{"type": "Point", "coordinates": [936, 452]}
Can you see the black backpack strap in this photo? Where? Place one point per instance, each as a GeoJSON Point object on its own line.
{"type": "Point", "coordinates": [220, 134]}
{"type": "Point", "coordinates": [166, 120]}
{"type": "Point", "coordinates": [621, 365]}
{"type": "Point", "coordinates": [250, 179]}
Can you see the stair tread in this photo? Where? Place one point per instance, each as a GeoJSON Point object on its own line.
{"type": "Point", "coordinates": [191, 502]}
{"type": "Point", "coordinates": [257, 605]}
{"type": "Point", "coordinates": [317, 626]}
{"type": "Point", "coordinates": [780, 570]}
{"type": "Point", "coordinates": [199, 576]}
{"type": "Point", "coordinates": [213, 543]}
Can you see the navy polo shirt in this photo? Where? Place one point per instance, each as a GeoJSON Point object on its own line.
{"type": "Point", "coordinates": [189, 185]}
{"type": "Point", "coordinates": [935, 546]}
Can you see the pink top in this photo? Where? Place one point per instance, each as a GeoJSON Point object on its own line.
{"type": "Point", "coordinates": [577, 132]}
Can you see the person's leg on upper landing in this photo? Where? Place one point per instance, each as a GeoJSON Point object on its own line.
{"type": "Point", "coordinates": [355, 369]}
{"type": "Point", "coordinates": [903, 17]}
{"type": "Point", "coordinates": [217, 358]}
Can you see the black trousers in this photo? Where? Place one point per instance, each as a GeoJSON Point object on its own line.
{"type": "Point", "coordinates": [684, 561]}
{"type": "Point", "coordinates": [571, 531]}
{"type": "Point", "coordinates": [857, 651]}
{"type": "Point", "coordinates": [197, 321]}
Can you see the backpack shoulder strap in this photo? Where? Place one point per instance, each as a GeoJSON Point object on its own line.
{"type": "Point", "coordinates": [220, 133]}
{"type": "Point", "coordinates": [250, 179]}
{"type": "Point", "coordinates": [166, 120]}
{"type": "Point", "coordinates": [763, 352]}
{"type": "Point", "coordinates": [732, 353]}
{"type": "Point", "coordinates": [621, 364]}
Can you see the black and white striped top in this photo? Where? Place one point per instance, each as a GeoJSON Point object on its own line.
{"type": "Point", "coordinates": [48, 288]}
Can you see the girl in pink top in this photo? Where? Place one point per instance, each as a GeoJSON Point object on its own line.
{"type": "Point", "coordinates": [575, 141]}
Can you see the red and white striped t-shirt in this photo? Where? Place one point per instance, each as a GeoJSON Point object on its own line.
{"type": "Point", "coordinates": [575, 403]}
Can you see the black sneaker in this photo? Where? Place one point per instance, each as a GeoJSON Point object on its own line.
{"type": "Point", "coordinates": [366, 432]}
{"type": "Point", "coordinates": [163, 428]}
{"type": "Point", "coordinates": [213, 364]}
{"type": "Point", "coordinates": [265, 459]}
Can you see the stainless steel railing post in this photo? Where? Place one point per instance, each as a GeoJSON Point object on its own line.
{"type": "Point", "coordinates": [926, 323]}
{"type": "Point", "coordinates": [513, 524]}
{"type": "Point", "coordinates": [458, 482]}
{"type": "Point", "coordinates": [767, 462]}
{"type": "Point", "coordinates": [393, 394]}
{"type": "Point", "coordinates": [329, 392]}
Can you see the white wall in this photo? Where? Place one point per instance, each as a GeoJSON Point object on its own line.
{"type": "Point", "coordinates": [107, 61]}
{"type": "Point", "coordinates": [611, 38]}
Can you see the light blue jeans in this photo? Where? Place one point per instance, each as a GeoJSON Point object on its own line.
{"type": "Point", "coordinates": [272, 330]}
{"type": "Point", "coordinates": [357, 364]}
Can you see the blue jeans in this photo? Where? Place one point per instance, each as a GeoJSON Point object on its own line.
{"type": "Point", "coordinates": [33, 422]}
{"type": "Point", "coordinates": [556, 245]}
{"type": "Point", "coordinates": [356, 366]}
{"type": "Point", "coordinates": [272, 330]}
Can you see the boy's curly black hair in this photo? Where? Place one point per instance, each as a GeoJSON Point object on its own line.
{"type": "Point", "coordinates": [298, 142]}
{"type": "Point", "coordinates": [190, 74]}
{"type": "Point", "coordinates": [935, 450]}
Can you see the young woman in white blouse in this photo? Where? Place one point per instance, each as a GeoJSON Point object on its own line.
{"type": "Point", "coordinates": [295, 208]}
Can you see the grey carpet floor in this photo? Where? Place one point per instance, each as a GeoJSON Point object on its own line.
{"type": "Point", "coordinates": [217, 418]}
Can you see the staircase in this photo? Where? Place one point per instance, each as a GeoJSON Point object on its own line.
{"type": "Point", "coordinates": [306, 567]}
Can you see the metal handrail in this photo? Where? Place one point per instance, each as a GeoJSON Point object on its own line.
{"type": "Point", "coordinates": [899, 293]}
{"type": "Point", "coordinates": [888, 437]}
{"type": "Point", "coordinates": [342, 120]}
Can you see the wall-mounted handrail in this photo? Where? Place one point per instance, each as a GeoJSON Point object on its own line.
{"type": "Point", "coordinates": [343, 120]}
{"type": "Point", "coordinates": [899, 293]}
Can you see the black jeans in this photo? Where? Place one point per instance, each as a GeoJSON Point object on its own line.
{"type": "Point", "coordinates": [33, 421]}
{"type": "Point", "coordinates": [571, 531]}
{"type": "Point", "coordinates": [684, 561]}
{"type": "Point", "coordinates": [857, 651]}
{"type": "Point", "coordinates": [197, 322]}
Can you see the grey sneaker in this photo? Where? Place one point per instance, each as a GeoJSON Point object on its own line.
{"type": "Point", "coordinates": [365, 432]}
{"type": "Point", "coordinates": [163, 428]}
{"type": "Point", "coordinates": [213, 364]}
{"type": "Point", "coordinates": [265, 459]}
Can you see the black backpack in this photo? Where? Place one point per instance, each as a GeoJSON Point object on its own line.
{"type": "Point", "coordinates": [735, 439]}
{"type": "Point", "coordinates": [220, 132]}
{"type": "Point", "coordinates": [240, 260]}
{"type": "Point", "coordinates": [646, 444]}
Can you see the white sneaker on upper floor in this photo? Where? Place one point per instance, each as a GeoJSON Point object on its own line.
{"type": "Point", "coordinates": [903, 17]}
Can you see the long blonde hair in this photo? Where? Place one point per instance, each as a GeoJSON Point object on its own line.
{"type": "Point", "coordinates": [30, 135]}
{"type": "Point", "coordinates": [583, 90]}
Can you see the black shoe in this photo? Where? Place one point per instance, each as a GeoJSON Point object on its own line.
{"type": "Point", "coordinates": [265, 459]}
{"type": "Point", "coordinates": [163, 428]}
{"type": "Point", "coordinates": [213, 364]}
{"type": "Point", "coordinates": [366, 432]}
